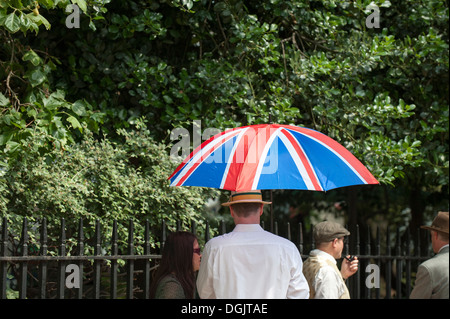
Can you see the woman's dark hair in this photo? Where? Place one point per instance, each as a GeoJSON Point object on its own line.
{"type": "Point", "coordinates": [177, 260]}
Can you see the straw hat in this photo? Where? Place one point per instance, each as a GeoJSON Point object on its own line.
{"type": "Point", "coordinates": [251, 196]}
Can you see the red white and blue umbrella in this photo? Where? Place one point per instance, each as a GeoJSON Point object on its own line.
{"type": "Point", "coordinates": [271, 156]}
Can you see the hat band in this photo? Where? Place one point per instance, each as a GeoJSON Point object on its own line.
{"type": "Point", "coordinates": [245, 196]}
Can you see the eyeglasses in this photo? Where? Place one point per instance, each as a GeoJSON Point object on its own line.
{"type": "Point", "coordinates": [197, 251]}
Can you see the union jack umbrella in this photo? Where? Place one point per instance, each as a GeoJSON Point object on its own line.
{"type": "Point", "coordinates": [271, 156]}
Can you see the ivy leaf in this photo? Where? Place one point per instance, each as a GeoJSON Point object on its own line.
{"type": "Point", "coordinates": [39, 19]}
{"type": "Point", "coordinates": [4, 101]}
{"type": "Point", "coordinates": [12, 147]}
{"type": "Point", "coordinates": [79, 108]}
{"type": "Point", "coordinates": [12, 23]}
{"type": "Point", "coordinates": [32, 57]}
{"type": "Point", "coordinates": [188, 3]}
{"type": "Point", "coordinates": [36, 77]}
{"type": "Point", "coordinates": [81, 4]}
{"type": "Point", "coordinates": [75, 123]}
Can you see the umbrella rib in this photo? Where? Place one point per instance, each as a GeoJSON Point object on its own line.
{"type": "Point", "coordinates": [341, 156]}
{"type": "Point", "coordinates": [231, 157]}
{"type": "Point", "coordinates": [263, 158]}
{"type": "Point", "coordinates": [340, 151]}
{"type": "Point", "coordinates": [302, 161]}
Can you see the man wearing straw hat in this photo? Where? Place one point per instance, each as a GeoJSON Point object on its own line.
{"type": "Point", "coordinates": [432, 275]}
{"type": "Point", "coordinates": [249, 262]}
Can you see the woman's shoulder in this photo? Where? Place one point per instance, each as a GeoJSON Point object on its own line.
{"type": "Point", "coordinates": [169, 288]}
{"type": "Point", "coordinates": [169, 278]}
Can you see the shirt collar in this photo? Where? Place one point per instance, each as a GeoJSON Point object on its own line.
{"type": "Point", "coordinates": [248, 228]}
{"type": "Point", "coordinates": [445, 246]}
{"type": "Point", "coordinates": [322, 254]}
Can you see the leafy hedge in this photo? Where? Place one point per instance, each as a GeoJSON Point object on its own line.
{"type": "Point", "coordinates": [381, 92]}
{"type": "Point", "coordinates": [97, 179]}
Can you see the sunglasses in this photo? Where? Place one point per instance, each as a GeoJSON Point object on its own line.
{"type": "Point", "coordinates": [197, 251]}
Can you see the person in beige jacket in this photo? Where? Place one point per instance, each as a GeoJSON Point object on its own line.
{"type": "Point", "coordinates": [324, 278]}
{"type": "Point", "coordinates": [432, 275]}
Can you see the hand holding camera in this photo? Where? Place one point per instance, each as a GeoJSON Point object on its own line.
{"type": "Point", "coordinates": [349, 266]}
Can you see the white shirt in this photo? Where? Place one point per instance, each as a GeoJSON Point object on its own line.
{"type": "Point", "coordinates": [250, 263]}
{"type": "Point", "coordinates": [327, 283]}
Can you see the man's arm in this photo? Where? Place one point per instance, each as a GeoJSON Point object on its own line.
{"type": "Point", "coordinates": [205, 287]}
{"type": "Point", "coordinates": [298, 286]}
{"type": "Point", "coordinates": [422, 287]}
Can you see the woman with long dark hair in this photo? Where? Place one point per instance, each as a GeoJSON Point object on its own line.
{"type": "Point", "coordinates": [175, 278]}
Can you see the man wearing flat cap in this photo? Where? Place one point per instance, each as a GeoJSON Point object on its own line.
{"type": "Point", "coordinates": [432, 275]}
{"type": "Point", "coordinates": [325, 280]}
{"type": "Point", "coordinates": [249, 262]}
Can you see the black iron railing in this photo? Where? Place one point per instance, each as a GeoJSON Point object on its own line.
{"type": "Point", "coordinates": [387, 267]}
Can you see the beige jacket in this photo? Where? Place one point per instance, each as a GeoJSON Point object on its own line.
{"type": "Point", "coordinates": [324, 278]}
{"type": "Point", "coordinates": [432, 277]}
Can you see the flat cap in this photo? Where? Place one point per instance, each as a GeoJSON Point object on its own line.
{"type": "Point", "coordinates": [327, 231]}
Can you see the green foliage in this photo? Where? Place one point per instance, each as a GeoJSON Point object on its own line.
{"type": "Point", "coordinates": [26, 15]}
{"type": "Point", "coordinates": [381, 92]}
{"type": "Point", "coordinates": [317, 65]}
{"type": "Point", "coordinates": [28, 102]}
{"type": "Point", "coordinates": [100, 180]}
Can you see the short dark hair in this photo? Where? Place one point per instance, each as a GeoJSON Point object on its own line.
{"type": "Point", "coordinates": [246, 209]}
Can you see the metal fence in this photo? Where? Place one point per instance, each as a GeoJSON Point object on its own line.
{"type": "Point", "coordinates": [33, 273]}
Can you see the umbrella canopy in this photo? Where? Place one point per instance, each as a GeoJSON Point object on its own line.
{"type": "Point", "coordinates": [271, 156]}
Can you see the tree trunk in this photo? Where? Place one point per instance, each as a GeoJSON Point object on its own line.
{"type": "Point", "coordinates": [417, 206]}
